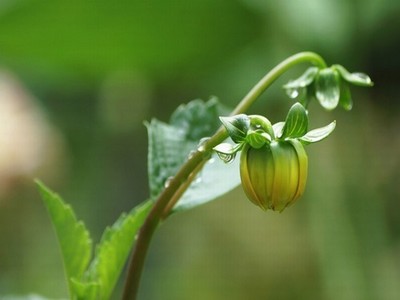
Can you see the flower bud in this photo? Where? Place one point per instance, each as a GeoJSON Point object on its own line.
{"type": "Point", "coordinates": [274, 176]}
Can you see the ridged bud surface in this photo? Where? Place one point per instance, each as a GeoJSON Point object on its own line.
{"type": "Point", "coordinates": [274, 176]}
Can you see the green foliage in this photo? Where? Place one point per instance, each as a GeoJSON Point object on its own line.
{"type": "Point", "coordinates": [159, 41]}
{"type": "Point", "coordinates": [114, 248]}
{"type": "Point", "coordinates": [73, 237]}
{"type": "Point", "coordinates": [171, 144]}
{"type": "Point", "coordinates": [97, 281]}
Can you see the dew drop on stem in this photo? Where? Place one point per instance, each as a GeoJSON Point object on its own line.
{"type": "Point", "coordinates": [191, 154]}
{"type": "Point", "coordinates": [168, 181]}
{"type": "Point", "coordinates": [201, 147]}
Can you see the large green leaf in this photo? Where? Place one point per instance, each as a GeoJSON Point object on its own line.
{"type": "Point", "coordinates": [73, 237]}
{"type": "Point", "coordinates": [216, 179]}
{"type": "Point", "coordinates": [171, 144]}
{"type": "Point", "coordinates": [113, 250]}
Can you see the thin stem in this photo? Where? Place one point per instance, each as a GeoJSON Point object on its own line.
{"type": "Point", "coordinates": [184, 176]}
{"type": "Point", "coordinates": [178, 194]}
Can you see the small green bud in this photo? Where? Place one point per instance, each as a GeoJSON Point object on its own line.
{"type": "Point", "coordinates": [330, 86]}
{"type": "Point", "coordinates": [274, 176]}
{"type": "Point", "coordinates": [273, 162]}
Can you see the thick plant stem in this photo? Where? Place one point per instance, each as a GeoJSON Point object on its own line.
{"type": "Point", "coordinates": [183, 178]}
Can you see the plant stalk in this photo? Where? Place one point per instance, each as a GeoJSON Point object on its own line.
{"type": "Point", "coordinates": [181, 181]}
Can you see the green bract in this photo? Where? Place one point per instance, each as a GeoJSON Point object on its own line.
{"type": "Point", "coordinates": [330, 86]}
{"type": "Point", "coordinates": [273, 162]}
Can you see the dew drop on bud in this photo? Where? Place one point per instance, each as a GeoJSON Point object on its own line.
{"type": "Point", "coordinates": [293, 93]}
{"type": "Point", "coordinates": [198, 180]}
{"type": "Point", "coordinates": [226, 158]}
{"type": "Point", "coordinates": [168, 181]}
{"type": "Point", "coordinates": [211, 160]}
{"type": "Point", "coordinates": [362, 77]}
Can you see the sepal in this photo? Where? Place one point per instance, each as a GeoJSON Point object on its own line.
{"type": "Point", "coordinates": [328, 88]}
{"type": "Point", "coordinates": [318, 134]}
{"type": "Point", "coordinates": [357, 78]}
{"type": "Point", "coordinates": [296, 123]}
{"type": "Point", "coordinates": [293, 86]}
{"type": "Point", "coordinates": [236, 126]}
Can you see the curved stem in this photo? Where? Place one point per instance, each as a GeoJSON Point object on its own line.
{"type": "Point", "coordinates": [183, 178]}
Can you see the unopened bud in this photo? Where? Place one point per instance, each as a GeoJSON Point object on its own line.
{"type": "Point", "coordinates": [274, 176]}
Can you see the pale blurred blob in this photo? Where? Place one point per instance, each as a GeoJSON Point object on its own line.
{"type": "Point", "coordinates": [29, 146]}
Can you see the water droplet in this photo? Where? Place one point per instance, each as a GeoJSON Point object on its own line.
{"type": "Point", "coordinates": [198, 180]}
{"type": "Point", "coordinates": [293, 92]}
{"type": "Point", "coordinates": [168, 181]}
{"type": "Point", "coordinates": [211, 160]}
{"type": "Point", "coordinates": [202, 144]}
{"type": "Point", "coordinates": [191, 154]}
{"type": "Point", "coordinates": [362, 77]}
{"type": "Point", "coordinates": [226, 158]}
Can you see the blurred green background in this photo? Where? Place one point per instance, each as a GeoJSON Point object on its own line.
{"type": "Point", "coordinates": [77, 80]}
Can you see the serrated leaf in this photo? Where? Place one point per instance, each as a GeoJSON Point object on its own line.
{"type": "Point", "coordinates": [327, 87]}
{"type": "Point", "coordinates": [170, 146]}
{"type": "Point", "coordinates": [197, 119]}
{"type": "Point", "coordinates": [318, 134]}
{"type": "Point", "coordinates": [357, 78]}
{"type": "Point", "coordinates": [296, 123]}
{"type": "Point", "coordinates": [168, 149]}
{"type": "Point", "coordinates": [73, 237]}
{"type": "Point", "coordinates": [113, 250]}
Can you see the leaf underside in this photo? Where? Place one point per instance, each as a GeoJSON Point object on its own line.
{"type": "Point", "coordinates": [170, 146]}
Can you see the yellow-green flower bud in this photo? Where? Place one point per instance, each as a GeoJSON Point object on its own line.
{"type": "Point", "coordinates": [274, 176]}
{"type": "Point", "coordinates": [273, 163]}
